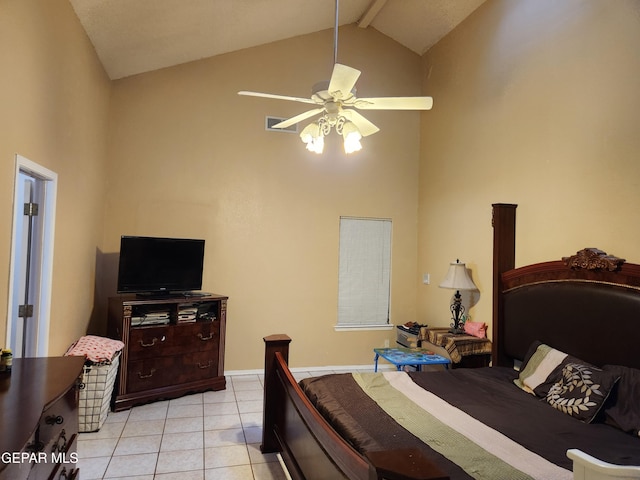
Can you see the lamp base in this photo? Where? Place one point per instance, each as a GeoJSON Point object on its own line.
{"type": "Point", "coordinates": [457, 311]}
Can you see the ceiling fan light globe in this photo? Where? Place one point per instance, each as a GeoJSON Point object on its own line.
{"type": "Point", "coordinates": [352, 145]}
{"type": "Point", "coordinates": [313, 138]}
{"type": "Point", "coordinates": [316, 145]}
{"type": "Point", "coordinates": [310, 134]}
{"type": "Point", "coordinates": [310, 131]}
{"type": "Point", "coordinates": [352, 142]}
{"type": "Point", "coordinates": [352, 137]}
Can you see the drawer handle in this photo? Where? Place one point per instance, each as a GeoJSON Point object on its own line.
{"type": "Point", "coordinates": [204, 366]}
{"type": "Point", "coordinates": [37, 446]}
{"type": "Point", "coordinates": [203, 338]}
{"type": "Point", "coordinates": [53, 420]}
{"type": "Point", "coordinates": [151, 372]}
{"type": "Point", "coordinates": [60, 448]}
{"type": "Point", "coordinates": [153, 342]}
{"type": "Point", "coordinates": [73, 474]}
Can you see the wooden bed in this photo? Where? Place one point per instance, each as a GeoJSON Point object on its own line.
{"type": "Point", "coordinates": [583, 304]}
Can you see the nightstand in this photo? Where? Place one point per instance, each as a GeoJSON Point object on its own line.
{"type": "Point", "coordinates": [466, 351]}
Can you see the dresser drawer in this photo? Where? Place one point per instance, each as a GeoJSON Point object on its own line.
{"type": "Point", "coordinates": [196, 366]}
{"type": "Point", "coordinates": [149, 342]}
{"type": "Point", "coordinates": [56, 437]}
{"type": "Point", "coordinates": [62, 415]}
{"type": "Point", "coordinates": [149, 373]}
{"type": "Point", "coordinates": [198, 336]}
{"type": "Point", "coordinates": [160, 372]}
{"type": "Point", "coordinates": [59, 463]}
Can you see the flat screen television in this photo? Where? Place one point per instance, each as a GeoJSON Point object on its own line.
{"type": "Point", "coordinates": [157, 266]}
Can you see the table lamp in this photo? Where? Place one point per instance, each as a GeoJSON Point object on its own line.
{"type": "Point", "coordinates": [457, 279]}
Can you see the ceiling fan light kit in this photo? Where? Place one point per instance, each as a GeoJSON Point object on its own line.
{"type": "Point", "coordinates": [314, 133]}
{"type": "Point", "coordinates": [336, 101]}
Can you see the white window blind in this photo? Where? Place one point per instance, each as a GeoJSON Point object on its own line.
{"type": "Point", "coordinates": [364, 272]}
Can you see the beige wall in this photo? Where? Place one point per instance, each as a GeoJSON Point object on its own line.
{"type": "Point", "coordinates": [189, 157]}
{"type": "Point", "coordinates": [536, 103]}
{"type": "Point", "coordinates": [54, 101]}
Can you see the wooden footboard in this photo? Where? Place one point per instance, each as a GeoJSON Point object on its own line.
{"type": "Point", "coordinates": [309, 446]}
{"type": "Point", "coordinates": [586, 467]}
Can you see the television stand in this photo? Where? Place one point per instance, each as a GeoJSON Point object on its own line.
{"type": "Point", "coordinates": [174, 345]}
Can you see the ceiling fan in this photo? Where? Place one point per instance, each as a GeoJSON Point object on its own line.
{"type": "Point", "coordinates": [335, 100]}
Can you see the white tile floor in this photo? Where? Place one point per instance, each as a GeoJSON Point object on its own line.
{"type": "Point", "coordinates": [205, 436]}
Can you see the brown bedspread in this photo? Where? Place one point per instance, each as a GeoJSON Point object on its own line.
{"type": "Point", "coordinates": [487, 394]}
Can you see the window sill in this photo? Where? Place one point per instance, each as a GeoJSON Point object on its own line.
{"type": "Point", "coordinates": [355, 328]}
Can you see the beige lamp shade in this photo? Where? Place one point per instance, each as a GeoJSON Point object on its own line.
{"type": "Point", "coordinates": [458, 278]}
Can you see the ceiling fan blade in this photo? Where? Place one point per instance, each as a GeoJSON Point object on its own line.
{"type": "Point", "coordinates": [277, 97]}
{"type": "Point", "coordinates": [343, 79]}
{"type": "Point", "coordinates": [393, 103]}
{"type": "Point", "coordinates": [298, 118]}
{"type": "Point", "coordinates": [365, 126]}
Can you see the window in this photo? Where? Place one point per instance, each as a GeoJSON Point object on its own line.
{"type": "Point", "coordinates": [364, 273]}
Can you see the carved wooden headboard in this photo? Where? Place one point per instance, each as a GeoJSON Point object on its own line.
{"type": "Point", "coordinates": [585, 304]}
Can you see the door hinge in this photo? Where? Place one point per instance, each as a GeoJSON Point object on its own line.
{"type": "Point", "coordinates": [25, 311]}
{"type": "Point", "coordinates": [31, 209]}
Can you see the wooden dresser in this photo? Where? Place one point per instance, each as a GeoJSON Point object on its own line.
{"type": "Point", "coordinates": [165, 356]}
{"type": "Point", "coordinates": [39, 419]}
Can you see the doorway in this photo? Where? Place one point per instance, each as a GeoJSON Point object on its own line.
{"type": "Point", "coordinates": [31, 259]}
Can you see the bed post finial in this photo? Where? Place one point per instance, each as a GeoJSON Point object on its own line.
{"type": "Point", "coordinates": [504, 257]}
{"type": "Point", "coordinates": [593, 259]}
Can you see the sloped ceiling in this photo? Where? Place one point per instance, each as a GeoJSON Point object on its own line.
{"type": "Point", "coordinates": [136, 36]}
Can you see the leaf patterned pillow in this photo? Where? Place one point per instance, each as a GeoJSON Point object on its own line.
{"type": "Point", "coordinates": [581, 391]}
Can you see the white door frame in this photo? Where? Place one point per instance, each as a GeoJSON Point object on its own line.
{"type": "Point", "coordinates": [43, 293]}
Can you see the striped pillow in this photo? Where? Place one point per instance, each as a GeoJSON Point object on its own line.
{"type": "Point", "coordinates": [542, 369]}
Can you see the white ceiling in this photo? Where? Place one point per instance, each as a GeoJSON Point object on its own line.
{"type": "Point", "coordinates": [135, 36]}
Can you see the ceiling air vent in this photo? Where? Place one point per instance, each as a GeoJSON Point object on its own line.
{"type": "Point", "coordinates": [271, 121]}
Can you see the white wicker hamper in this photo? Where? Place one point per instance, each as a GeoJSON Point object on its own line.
{"type": "Point", "coordinates": [95, 397]}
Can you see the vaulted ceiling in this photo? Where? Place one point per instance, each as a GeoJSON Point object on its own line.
{"type": "Point", "coordinates": [136, 36]}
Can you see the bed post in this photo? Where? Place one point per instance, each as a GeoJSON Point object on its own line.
{"type": "Point", "coordinates": [273, 344]}
{"type": "Point", "coordinates": [504, 258]}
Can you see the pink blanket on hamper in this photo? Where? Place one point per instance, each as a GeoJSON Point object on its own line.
{"type": "Point", "coordinates": [95, 349]}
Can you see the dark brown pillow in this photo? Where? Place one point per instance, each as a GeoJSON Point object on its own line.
{"type": "Point", "coordinates": [622, 409]}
